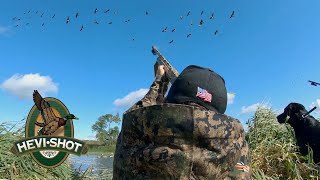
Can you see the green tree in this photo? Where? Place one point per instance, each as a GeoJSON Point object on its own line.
{"type": "Point", "coordinates": [104, 132]}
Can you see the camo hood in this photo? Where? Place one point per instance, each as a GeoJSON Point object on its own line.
{"type": "Point", "coordinates": [175, 141]}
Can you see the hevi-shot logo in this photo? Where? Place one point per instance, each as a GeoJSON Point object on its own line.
{"type": "Point", "coordinates": [49, 133]}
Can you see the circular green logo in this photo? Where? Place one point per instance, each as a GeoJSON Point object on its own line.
{"type": "Point", "coordinates": [49, 158]}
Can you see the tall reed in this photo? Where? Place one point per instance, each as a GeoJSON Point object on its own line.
{"type": "Point", "coordinates": [24, 167]}
{"type": "Point", "coordinates": [274, 154]}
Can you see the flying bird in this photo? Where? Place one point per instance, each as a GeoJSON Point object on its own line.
{"type": "Point", "coordinates": [68, 20]}
{"type": "Point", "coordinates": [191, 23]}
{"type": "Point", "coordinates": [165, 29]}
{"type": "Point", "coordinates": [54, 16]}
{"type": "Point", "coordinates": [147, 13]}
{"type": "Point", "coordinates": [201, 22]}
{"type": "Point", "coordinates": [14, 18]}
{"type": "Point", "coordinates": [42, 24]}
{"type": "Point", "coordinates": [216, 32]}
{"type": "Point", "coordinates": [314, 83]}
{"type": "Point", "coordinates": [188, 13]}
{"type": "Point", "coordinates": [127, 21]}
{"type": "Point", "coordinates": [171, 42]}
{"type": "Point", "coordinates": [106, 11]}
{"type": "Point", "coordinates": [51, 123]}
{"type": "Point", "coordinates": [27, 24]}
{"type": "Point", "coordinates": [42, 15]}
{"type": "Point", "coordinates": [96, 10]}
{"type": "Point", "coordinates": [77, 15]}
{"type": "Point", "coordinates": [181, 17]}
{"type": "Point", "coordinates": [81, 28]}
{"type": "Point", "coordinates": [96, 22]}
{"type": "Point", "coordinates": [232, 15]}
{"type": "Point", "coordinates": [173, 30]}
{"type": "Point", "coordinates": [188, 35]}
{"type": "Point", "coordinates": [212, 16]}
{"type": "Point", "coordinates": [110, 22]}
{"type": "Point", "coordinates": [201, 12]}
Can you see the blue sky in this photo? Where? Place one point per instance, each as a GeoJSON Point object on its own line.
{"type": "Point", "coordinates": [266, 53]}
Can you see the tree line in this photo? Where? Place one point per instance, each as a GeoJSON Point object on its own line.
{"type": "Point", "coordinates": [106, 128]}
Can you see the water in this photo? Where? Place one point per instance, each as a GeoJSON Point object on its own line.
{"type": "Point", "coordinates": [101, 165]}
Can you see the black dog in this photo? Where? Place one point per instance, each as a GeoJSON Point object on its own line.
{"type": "Point", "coordinates": [306, 128]}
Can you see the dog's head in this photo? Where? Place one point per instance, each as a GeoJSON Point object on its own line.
{"type": "Point", "coordinates": [294, 111]}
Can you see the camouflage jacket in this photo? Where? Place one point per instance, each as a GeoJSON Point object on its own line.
{"type": "Point", "coordinates": [175, 141]}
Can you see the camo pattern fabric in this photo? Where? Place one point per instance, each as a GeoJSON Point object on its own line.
{"type": "Point", "coordinates": [176, 141]}
{"type": "Point", "coordinates": [155, 95]}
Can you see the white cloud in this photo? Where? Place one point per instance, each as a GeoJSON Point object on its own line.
{"type": "Point", "coordinates": [91, 137]}
{"type": "Point", "coordinates": [253, 108]}
{"type": "Point", "coordinates": [23, 85]}
{"type": "Point", "coordinates": [278, 111]}
{"type": "Point", "coordinates": [317, 104]}
{"type": "Point", "coordinates": [4, 30]}
{"type": "Point", "coordinates": [131, 98]}
{"type": "Point", "coordinates": [231, 97]}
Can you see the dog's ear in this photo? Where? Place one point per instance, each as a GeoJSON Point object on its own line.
{"type": "Point", "coordinates": [290, 108]}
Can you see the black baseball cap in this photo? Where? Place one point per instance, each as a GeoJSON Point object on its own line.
{"type": "Point", "coordinates": [199, 85]}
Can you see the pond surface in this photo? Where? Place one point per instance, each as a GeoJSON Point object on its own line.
{"type": "Point", "coordinates": [101, 165]}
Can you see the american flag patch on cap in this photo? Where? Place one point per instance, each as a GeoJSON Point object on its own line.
{"type": "Point", "coordinates": [204, 95]}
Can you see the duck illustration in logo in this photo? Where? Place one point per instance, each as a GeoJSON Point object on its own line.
{"type": "Point", "coordinates": [51, 123]}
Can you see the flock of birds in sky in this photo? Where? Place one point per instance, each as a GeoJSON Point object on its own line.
{"type": "Point", "coordinates": [18, 21]}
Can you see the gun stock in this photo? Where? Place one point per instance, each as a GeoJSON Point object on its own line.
{"type": "Point", "coordinates": [172, 73]}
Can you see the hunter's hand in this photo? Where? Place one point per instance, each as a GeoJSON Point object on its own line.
{"type": "Point", "coordinates": [161, 70]}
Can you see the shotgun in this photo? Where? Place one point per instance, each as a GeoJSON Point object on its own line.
{"type": "Point", "coordinates": [172, 73]}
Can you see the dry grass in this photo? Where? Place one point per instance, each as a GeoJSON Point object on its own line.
{"type": "Point", "coordinates": [274, 152]}
{"type": "Point", "coordinates": [24, 167]}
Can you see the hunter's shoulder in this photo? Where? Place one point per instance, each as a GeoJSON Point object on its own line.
{"type": "Point", "coordinates": [214, 115]}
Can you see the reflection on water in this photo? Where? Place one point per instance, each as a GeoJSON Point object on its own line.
{"type": "Point", "coordinates": [101, 165]}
